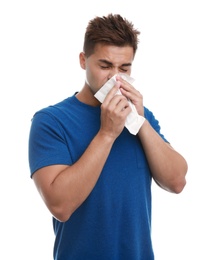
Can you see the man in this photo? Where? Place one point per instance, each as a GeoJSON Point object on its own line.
{"type": "Point", "coordinates": [92, 173]}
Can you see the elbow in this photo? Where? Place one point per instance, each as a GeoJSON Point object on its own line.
{"type": "Point", "coordinates": [60, 213]}
{"type": "Point", "coordinates": [178, 183]}
{"type": "Point", "coordinates": [61, 217]}
{"type": "Point", "coordinates": [62, 210]}
{"type": "Point", "coordinates": [178, 186]}
{"type": "Point", "coordinates": [182, 179]}
{"type": "Point", "coordinates": [173, 186]}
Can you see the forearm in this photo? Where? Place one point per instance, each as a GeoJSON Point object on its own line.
{"type": "Point", "coordinates": [168, 167]}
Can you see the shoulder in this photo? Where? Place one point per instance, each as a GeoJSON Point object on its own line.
{"type": "Point", "coordinates": [55, 110]}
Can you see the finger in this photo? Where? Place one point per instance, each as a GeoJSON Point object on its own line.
{"type": "Point", "coordinates": [129, 92]}
{"type": "Point", "coordinates": [112, 92]}
{"type": "Point", "coordinates": [113, 102]}
{"type": "Point", "coordinates": [123, 81]}
{"type": "Point", "coordinates": [119, 105]}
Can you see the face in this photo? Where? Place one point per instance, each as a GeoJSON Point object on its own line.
{"type": "Point", "coordinates": [105, 62]}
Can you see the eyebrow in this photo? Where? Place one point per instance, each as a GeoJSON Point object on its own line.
{"type": "Point", "coordinates": [110, 63]}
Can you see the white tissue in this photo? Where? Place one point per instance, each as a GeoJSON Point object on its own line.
{"type": "Point", "coordinates": [133, 121]}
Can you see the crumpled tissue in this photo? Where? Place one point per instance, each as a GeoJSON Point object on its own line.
{"type": "Point", "coordinates": [134, 121]}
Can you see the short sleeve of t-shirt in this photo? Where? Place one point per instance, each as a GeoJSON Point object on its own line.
{"type": "Point", "coordinates": [46, 142]}
{"type": "Point", "coordinates": [153, 122]}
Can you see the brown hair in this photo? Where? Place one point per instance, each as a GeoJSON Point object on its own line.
{"type": "Point", "coordinates": [110, 30]}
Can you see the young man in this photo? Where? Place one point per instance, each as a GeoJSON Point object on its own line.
{"type": "Point", "coordinates": [92, 173]}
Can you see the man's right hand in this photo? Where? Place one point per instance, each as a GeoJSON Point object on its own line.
{"type": "Point", "coordinates": [114, 111]}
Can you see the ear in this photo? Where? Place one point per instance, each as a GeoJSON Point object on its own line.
{"type": "Point", "coordinates": [82, 60]}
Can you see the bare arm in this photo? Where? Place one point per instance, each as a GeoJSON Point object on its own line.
{"type": "Point", "coordinates": [168, 167]}
{"type": "Point", "coordinates": [64, 188]}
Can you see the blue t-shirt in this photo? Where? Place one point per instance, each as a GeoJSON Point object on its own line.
{"type": "Point", "coordinates": [114, 222]}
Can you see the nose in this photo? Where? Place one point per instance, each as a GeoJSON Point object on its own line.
{"type": "Point", "coordinates": [113, 72]}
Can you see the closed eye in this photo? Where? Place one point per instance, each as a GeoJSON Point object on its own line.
{"type": "Point", "coordinates": [123, 70]}
{"type": "Point", "coordinates": [105, 67]}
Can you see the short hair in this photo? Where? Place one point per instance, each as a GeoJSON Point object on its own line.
{"type": "Point", "coordinates": [112, 29]}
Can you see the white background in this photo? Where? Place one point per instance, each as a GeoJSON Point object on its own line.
{"type": "Point", "coordinates": [39, 46]}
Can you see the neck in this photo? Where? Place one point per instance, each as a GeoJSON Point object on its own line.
{"type": "Point", "coordinates": [86, 96]}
